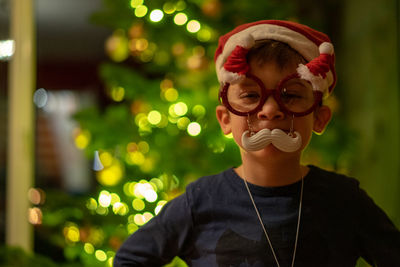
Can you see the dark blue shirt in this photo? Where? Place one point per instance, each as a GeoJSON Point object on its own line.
{"type": "Point", "coordinates": [214, 224]}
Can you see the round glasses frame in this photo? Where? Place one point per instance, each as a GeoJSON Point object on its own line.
{"type": "Point", "coordinates": [265, 93]}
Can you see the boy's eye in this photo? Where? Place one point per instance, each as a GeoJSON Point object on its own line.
{"type": "Point", "coordinates": [250, 95]}
{"type": "Point", "coordinates": [291, 94]}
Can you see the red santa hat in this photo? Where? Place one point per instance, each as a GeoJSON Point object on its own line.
{"type": "Point", "coordinates": [314, 46]}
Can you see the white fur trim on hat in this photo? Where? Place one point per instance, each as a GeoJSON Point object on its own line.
{"type": "Point", "coordinates": [318, 82]}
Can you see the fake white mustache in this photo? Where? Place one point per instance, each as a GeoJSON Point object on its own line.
{"type": "Point", "coordinates": [277, 137]}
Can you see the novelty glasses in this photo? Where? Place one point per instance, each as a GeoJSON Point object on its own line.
{"type": "Point", "coordinates": [295, 96]}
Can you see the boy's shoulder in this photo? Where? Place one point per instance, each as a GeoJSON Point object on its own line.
{"type": "Point", "coordinates": [331, 182]}
{"type": "Point", "coordinates": [211, 181]}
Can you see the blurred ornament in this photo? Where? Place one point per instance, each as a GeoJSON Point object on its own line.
{"type": "Point", "coordinates": [211, 8]}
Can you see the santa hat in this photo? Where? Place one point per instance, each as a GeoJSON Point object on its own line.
{"type": "Point", "coordinates": [314, 46]}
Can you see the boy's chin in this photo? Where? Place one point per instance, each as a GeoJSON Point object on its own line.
{"type": "Point", "coordinates": [270, 152]}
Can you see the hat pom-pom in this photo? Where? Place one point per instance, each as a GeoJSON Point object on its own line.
{"type": "Point", "coordinates": [247, 41]}
{"type": "Point", "coordinates": [326, 48]}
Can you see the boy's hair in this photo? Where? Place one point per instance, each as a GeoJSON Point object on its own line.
{"type": "Point", "coordinates": [268, 50]}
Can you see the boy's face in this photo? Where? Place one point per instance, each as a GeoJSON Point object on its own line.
{"type": "Point", "coordinates": [271, 116]}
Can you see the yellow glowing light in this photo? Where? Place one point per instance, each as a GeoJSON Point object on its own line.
{"type": "Point", "coordinates": [182, 123]}
{"type": "Point", "coordinates": [156, 15]}
{"type": "Point", "coordinates": [166, 83]}
{"type": "Point", "coordinates": [114, 198]}
{"type": "Point", "coordinates": [147, 216]}
{"type": "Point", "coordinates": [100, 255]}
{"type": "Point", "coordinates": [171, 94]}
{"type": "Point", "coordinates": [158, 183]}
{"type": "Point", "coordinates": [199, 111]}
{"type": "Point", "coordinates": [89, 248]}
{"type": "Point", "coordinates": [105, 199]}
{"type": "Point", "coordinates": [102, 210]}
{"type": "Point", "coordinates": [106, 159]}
{"type": "Point", "coordinates": [154, 117]}
{"type": "Point", "coordinates": [138, 204]}
{"type": "Point", "coordinates": [180, 18]}
{"type": "Point", "coordinates": [110, 176]}
{"type": "Point", "coordinates": [140, 44]}
{"type": "Point", "coordinates": [141, 11]}
{"type": "Point", "coordinates": [159, 206]}
{"type": "Point", "coordinates": [91, 204]}
{"type": "Point", "coordinates": [169, 7]}
{"type": "Point", "coordinates": [35, 216]}
{"type": "Point", "coordinates": [120, 208]}
{"type": "Point", "coordinates": [117, 46]}
{"type": "Point", "coordinates": [229, 136]}
{"type": "Point", "coordinates": [194, 129]}
{"type": "Point", "coordinates": [147, 55]}
{"type": "Point", "coordinates": [117, 94]}
{"type": "Point", "coordinates": [82, 139]}
{"type": "Point", "coordinates": [137, 157]}
{"type": "Point", "coordinates": [110, 262]}
{"type": "Point", "coordinates": [136, 3]}
{"type": "Point", "coordinates": [180, 108]}
{"type": "Point", "coordinates": [204, 35]}
{"type": "Point", "coordinates": [193, 26]}
{"type": "Point", "coordinates": [131, 227]}
{"type": "Point", "coordinates": [72, 234]}
{"type": "Point", "coordinates": [180, 5]}
{"type": "Point", "coordinates": [150, 196]}
{"type": "Point", "coordinates": [139, 219]}
{"type": "Point", "coordinates": [143, 147]}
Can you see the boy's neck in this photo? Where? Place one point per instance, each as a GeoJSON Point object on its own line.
{"type": "Point", "coordinates": [272, 173]}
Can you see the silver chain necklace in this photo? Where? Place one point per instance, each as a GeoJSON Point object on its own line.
{"type": "Point", "coordinates": [265, 230]}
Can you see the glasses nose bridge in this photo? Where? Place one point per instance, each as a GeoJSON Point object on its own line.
{"type": "Point", "coordinates": [268, 93]}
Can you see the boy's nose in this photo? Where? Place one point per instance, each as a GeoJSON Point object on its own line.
{"type": "Point", "coordinates": [270, 110]}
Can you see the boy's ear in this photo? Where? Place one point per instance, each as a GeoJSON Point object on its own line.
{"type": "Point", "coordinates": [322, 116]}
{"type": "Point", "coordinates": [224, 119]}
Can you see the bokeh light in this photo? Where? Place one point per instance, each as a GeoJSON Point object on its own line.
{"type": "Point", "coordinates": [40, 97]}
{"type": "Point", "coordinates": [141, 11]}
{"type": "Point", "coordinates": [180, 109]}
{"type": "Point", "coordinates": [169, 7]}
{"type": "Point", "coordinates": [199, 111]}
{"type": "Point", "coordinates": [156, 15]}
{"type": "Point", "coordinates": [35, 216]}
{"type": "Point", "coordinates": [136, 3]}
{"type": "Point", "coordinates": [100, 255]}
{"type": "Point", "coordinates": [110, 176]}
{"type": "Point", "coordinates": [82, 138]}
{"type": "Point", "coordinates": [194, 129]}
{"type": "Point", "coordinates": [171, 94]}
{"type": "Point", "coordinates": [105, 198]}
{"type": "Point", "coordinates": [193, 26]}
{"type": "Point", "coordinates": [180, 18]}
{"type": "Point", "coordinates": [7, 49]}
{"type": "Point", "coordinates": [180, 5]}
{"type": "Point", "coordinates": [138, 204]}
{"type": "Point", "coordinates": [89, 248]}
{"type": "Point", "coordinates": [117, 93]}
{"type": "Point", "coordinates": [154, 117]}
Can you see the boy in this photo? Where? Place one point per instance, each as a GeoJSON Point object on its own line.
{"type": "Point", "coordinates": [270, 211]}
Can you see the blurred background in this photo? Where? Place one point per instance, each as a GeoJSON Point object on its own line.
{"type": "Point", "coordinates": [116, 115]}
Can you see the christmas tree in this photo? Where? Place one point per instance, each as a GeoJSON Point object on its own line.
{"type": "Point", "coordinates": [158, 131]}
